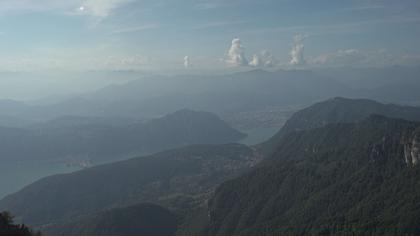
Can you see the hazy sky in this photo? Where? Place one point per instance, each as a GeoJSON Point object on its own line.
{"type": "Point", "coordinates": [82, 35]}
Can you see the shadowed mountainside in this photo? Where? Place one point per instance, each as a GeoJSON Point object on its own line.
{"type": "Point", "coordinates": [142, 220]}
{"type": "Point", "coordinates": [81, 139]}
{"type": "Point", "coordinates": [338, 110]}
{"type": "Point", "coordinates": [180, 179]}
{"type": "Point", "coordinates": [342, 179]}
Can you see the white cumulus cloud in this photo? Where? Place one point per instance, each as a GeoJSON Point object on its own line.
{"type": "Point", "coordinates": [187, 62]}
{"type": "Point", "coordinates": [263, 59]}
{"type": "Point", "coordinates": [236, 54]}
{"type": "Point", "coordinates": [297, 52]}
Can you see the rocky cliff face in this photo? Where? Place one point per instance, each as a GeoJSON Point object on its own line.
{"type": "Point", "coordinates": [341, 179]}
{"type": "Point", "coordinates": [412, 149]}
{"type": "Point", "coordinates": [338, 110]}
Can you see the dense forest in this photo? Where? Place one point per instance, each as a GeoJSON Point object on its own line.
{"type": "Point", "coordinates": [342, 179]}
{"type": "Point", "coordinates": [8, 228]}
{"type": "Point", "coordinates": [335, 168]}
{"type": "Point", "coordinates": [209, 118]}
{"type": "Point", "coordinates": [142, 219]}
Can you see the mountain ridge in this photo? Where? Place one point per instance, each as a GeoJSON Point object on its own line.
{"type": "Point", "coordinates": [286, 194]}
{"type": "Point", "coordinates": [160, 178]}
{"type": "Point", "coordinates": [336, 110]}
{"type": "Point", "coordinates": [84, 140]}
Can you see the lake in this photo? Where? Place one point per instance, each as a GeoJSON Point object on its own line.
{"type": "Point", "coordinates": [16, 175]}
{"type": "Point", "coordinates": [258, 135]}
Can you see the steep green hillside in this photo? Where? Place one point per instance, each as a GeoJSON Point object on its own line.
{"type": "Point", "coordinates": [342, 179]}
{"type": "Point", "coordinates": [179, 179]}
{"type": "Point", "coordinates": [8, 228]}
{"type": "Point", "coordinates": [323, 177]}
{"type": "Point", "coordinates": [139, 220]}
{"type": "Point", "coordinates": [338, 110]}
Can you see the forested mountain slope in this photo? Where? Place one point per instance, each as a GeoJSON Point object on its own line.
{"type": "Point", "coordinates": [179, 179]}
{"type": "Point", "coordinates": [342, 179]}
{"type": "Point", "coordinates": [141, 220]}
{"type": "Point", "coordinates": [338, 110]}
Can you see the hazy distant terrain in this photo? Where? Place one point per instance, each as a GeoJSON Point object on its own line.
{"type": "Point", "coordinates": [71, 143]}
{"type": "Point", "coordinates": [209, 118]}
{"type": "Point", "coordinates": [249, 101]}
{"type": "Point", "coordinates": [152, 96]}
{"type": "Point", "coordinates": [158, 95]}
{"type": "Point", "coordinates": [323, 142]}
{"type": "Point", "coordinates": [83, 139]}
{"type": "Point", "coordinates": [153, 114]}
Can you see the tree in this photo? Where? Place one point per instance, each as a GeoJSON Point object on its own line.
{"type": "Point", "coordinates": [8, 228]}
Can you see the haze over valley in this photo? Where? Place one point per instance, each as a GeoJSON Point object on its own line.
{"type": "Point", "coordinates": [209, 118]}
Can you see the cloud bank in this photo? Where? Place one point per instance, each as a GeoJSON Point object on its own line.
{"type": "Point", "coordinates": [341, 57]}
{"type": "Point", "coordinates": [263, 59]}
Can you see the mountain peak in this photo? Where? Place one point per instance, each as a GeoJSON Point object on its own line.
{"type": "Point", "coordinates": [186, 111]}
{"type": "Point", "coordinates": [346, 168]}
{"type": "Point", "coordinates": [340, 110]}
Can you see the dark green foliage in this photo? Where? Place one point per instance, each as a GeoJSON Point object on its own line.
{"type": "Point", "coordinates": [7, 228]}
{"type": "Point", "coordinates": [139, 220]}
{"type": "Point", "coordinates": [179, 179]}
{"type": "Point", "coordinates": [338, 110]}
{"type": "Point", "coordinates": [343, 179]}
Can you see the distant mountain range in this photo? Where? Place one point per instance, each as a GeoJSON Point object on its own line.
{"type": "Point", "coordinates": [100, 139]}
{"type": "Point", "coordinates": [239, 92]}
{"type": "Point", "coordinates": [339, 167]}
{"type": "Point", "coordinates": [158, 95]}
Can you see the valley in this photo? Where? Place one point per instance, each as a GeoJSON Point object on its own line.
{"type": "Point", "coordinates": [209, 118]}
{"type": "Point", "coordinates": [303, 164]}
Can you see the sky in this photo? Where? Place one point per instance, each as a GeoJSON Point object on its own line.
{"type": "Point", "coordinates": [212, 35]}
